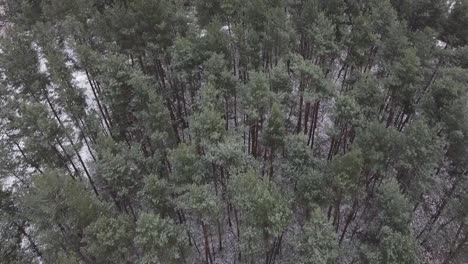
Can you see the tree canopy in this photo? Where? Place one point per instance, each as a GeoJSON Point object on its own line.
{"type": "Point", "coordinates": [228, 131]}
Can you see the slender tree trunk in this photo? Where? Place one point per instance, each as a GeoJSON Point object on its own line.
{"type": "Point", "coordinates": [348, 221]}
{"type": "Point", "coordinates": [208, 257]}
{"type": "Point", "coordinates": [428, 227]}
{"type": "Point", "coordinates": [68, 157]}
{"type": "Point", "coordinates": [98, 101]}
{"type": "Point", "coordinates": [315, 122]}
{"type": "Point", "coordinates": [28, 160]}
{"type": "Point", "coordinates": [306, 117]}
{"type": "Point", "coordinates": [220, 236]}
{"type": "Point", "coordinates": [31, 242]}
{"type": "Point", "coordinates": [299, 114]}
{"type": "Point", "coordinates": [455, 251]}
{"type": "Point", "coordinates": [72, 144]}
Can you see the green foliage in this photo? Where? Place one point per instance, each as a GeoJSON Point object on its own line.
{"type": "Point", "coordinates": [318, 241]}
{"type": "Point", "coordinates": [263, 205]}
{"type": "Point", "coordinates": [394, 206]}
{"type": "Point", "coordinates": [121, 168]}
{"type": "Point", "coordinates": [264, 213]}
{"type": "Point", "coordinates": [318, 86]}
{"type": "Point", "coordinates": [56, 198]}
{"type": "Point", "coordinates": [159, 239]}
{"type": "Point", "coordinates": [148, 107]}
{"type": "Point", "coordinates": [61, 208]}
{"type": "Point", "coordinates": [298, 156]}
{"type": "Point", "coordinates": [456, 34]}
{"type": "Point", "coordinates": [368, 95]}
{"type": "Point", "coordinates": [200, 200]}
{"type": "Point", "coordinates": [218, 131]}
{"type": "Point", "coordinates": [187, 166]}
{"type": "Point", "coordinates": [256, 96]}
{"type": "Point", "coordinates": [156, 195]}
{"type": "Point", "coordinates": [219, 75]}
{"type": "Point", "coordinates": [215, 40]}
{"type": "Point", "coordinates": [279, 80]}
{"type": "Point", "coordinates": [397, 248]}
{"type": "Point", "coordinates": [381, 146]}
{"type": "Point", "coordinates": [109, 239]}
{"type": "Point", "coordinates": [229, 154]}
{"type": "Point", "coordinates": [20, 63]}
{"type": "Point", "coordinates": [347, 109]}
{"type": "Point", "coordinates": [11, 250]}
{"type": "Point", "coordinates": [303, 173]}
{"type": "Point", "coordinates": [345, 173]}
{"type": "Point", "coordinates": [421, 151]}
{"type": "Point", "coordinates": [208, 126]}
{"type": "Point", "coordinates": [274, 131]}
{"type": "Point", "coordinates": [394, 247]}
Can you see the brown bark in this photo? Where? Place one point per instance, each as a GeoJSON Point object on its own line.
{"type": "Point", "coordinates": [306, 117]}
{"type": "Point", "coordinates": [348, 221]}
{"type": "Point", "coordinates": [208, 257]}
{"type": "Point", "coordinates": [428, 227]}
{"type": "Point", "coordinates": [54, 111]}
{"type": "Point", "coordinates": [104, 116]}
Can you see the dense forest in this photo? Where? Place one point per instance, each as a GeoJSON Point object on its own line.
{"type": "Point", "coordinates": [234, 131]}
